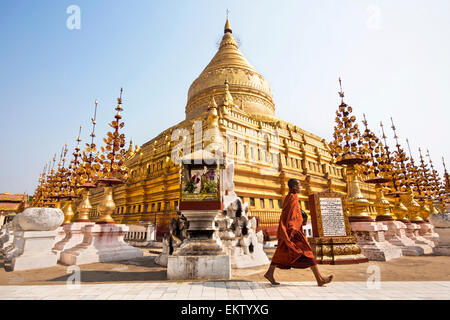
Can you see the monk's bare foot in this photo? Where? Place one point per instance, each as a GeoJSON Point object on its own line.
{"type": "Point", "coordinates": [325, 280]}
{"type": "Point", "coordinates": [271, 279]}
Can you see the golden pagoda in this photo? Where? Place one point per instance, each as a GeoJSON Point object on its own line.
{"type": "Point", "coordinates": [267, 151]}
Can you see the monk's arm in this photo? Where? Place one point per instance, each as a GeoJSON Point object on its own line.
{"type": "Point", "coordinates": [292, 225]}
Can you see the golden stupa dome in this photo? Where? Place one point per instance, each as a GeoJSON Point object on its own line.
{"type": "Point", "coordinates": [247, 87]}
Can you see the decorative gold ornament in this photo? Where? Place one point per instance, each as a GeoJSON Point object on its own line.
{"type": "Point", "coordinates": [107, 206]}
{"type": "Point", "coordinates": [112, 157]}
{"type": "Point", "coordinates": [348, 150]}
{"type": "Point", "coordinates": [399, 209]}
{"type": "Point", "coordinates": [114, 171]}
{"type": "Point", "coordinates": [88, 173]}
{"type": "Point", "coordinates": [68, 211]}
{"type": "Point", "coordinates": [404, 175]}
{"type": "Point", "coordinates": [376, 170]}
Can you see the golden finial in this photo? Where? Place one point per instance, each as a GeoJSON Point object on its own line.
{"type": "Point", "coordinates": [384, 136]}
{"type": "Point", "coordinates": [130, 148]}
{"type": "Point", "coordinates": [341, 93]}
{"type": "Point", "coordinates": [393, 128]}
{"type": "Point", "coordinates": [54, 159]}
{"type": "Point", "coordinates": [94, 121]}
{"type": "Point", "coordinates": [228, 100]}
{"type": "Point", "coordinates": [119, 100]}
{"type": "Point", "coordinates": [386, 147]}
{"type": "Point", "coordinates": [212, 103]}
{"type": "Point", "coordinates": [409, 148]}
{"type": "Point", "coordinates": [364, 121]}
{"type": "Point", "coordinates": [429, 158]}
{"type": "Point", "coordinates": [79, 136]}
{"type": "Point", "coordinates": [227, 24]}
{"type": "Point", "coordinates": [445, 169]}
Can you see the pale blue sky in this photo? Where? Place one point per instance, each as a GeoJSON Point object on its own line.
{"type": "Point", "coordinates": [393, 57]}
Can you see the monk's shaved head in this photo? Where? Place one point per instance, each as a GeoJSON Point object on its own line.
{"type": "Point", "coordinates": [292, 183]}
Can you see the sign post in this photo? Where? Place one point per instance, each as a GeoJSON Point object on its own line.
{"type": "Point", "coordinates": [332, 242]}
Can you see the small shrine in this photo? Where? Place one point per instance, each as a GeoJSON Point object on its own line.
{"type": "Point", "coordinates": [201, 255]}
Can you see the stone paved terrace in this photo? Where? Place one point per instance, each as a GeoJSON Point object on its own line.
{"type": "Point", "coordinates": [233, 290]}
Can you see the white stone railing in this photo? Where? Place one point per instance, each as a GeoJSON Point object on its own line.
{"type": "Point", "coordinates": [307, 230]}
{"type": "Point", "coordinates": [140, 234]}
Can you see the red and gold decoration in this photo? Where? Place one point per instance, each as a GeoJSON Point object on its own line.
{"type": "Point", "coordinates": [376, 170]}
{"type": "Point", "coordinates": [89, 173]}
{"type": "Point", "coordinates": [415, 181]}
{"type": "Point", "coordinates": [444, 191]}
{"type": "Point", "coordinates": [348, 151]}
{"type": "Point", "coordinates": [72, 183]}
{"type": "Point", "coordinates": [425, 189]}
{"type": "Point", "coordinates": [404, 181]}
{"type": "Point", "coordinates": [434, 185]}
{"type": "Point", "coordinates": [38, 195]}
{"type": "Point", "coordinates": [399, 209]}
{"type": "Point", "coordinates": [114, 171]}
{"type": "Point", "coordinates": [53, 185]}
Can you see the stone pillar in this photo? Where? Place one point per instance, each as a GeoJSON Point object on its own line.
{"type": "Point", "coordinates": [151, 232]}
{"type": "Point", "coordinates": [73, 237]}
{"type": "Point", "coordinates": [412, 232]}
{"type": "Point", "coordinates": [202, 255]}
{"type": "Point", "coordinates": [33, 250]}
{"type": "Point", "coordinates": [372, 241]}
{"type": "Point", "coordinates": [441, 223]}
{"type": "Point", "coordinates": [427, 231]}
{"type": "Point", "coordinates": [60, 234]}
{"type": "Point", "coordinates": [396, 235]}
{"type": "Point", "coordinates": [101, 243]}
{"type": "Point", "coordinates": [34, 237]}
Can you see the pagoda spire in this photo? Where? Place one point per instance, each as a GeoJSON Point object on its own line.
{"type": "Point", "coordinates": [228, 99]}
{"type": "Point", "coordinates": [446, 177]}
{"type": "Point", "coordinates": [227, 24]}
{"type": "Point", "coordinates": [212, 102]}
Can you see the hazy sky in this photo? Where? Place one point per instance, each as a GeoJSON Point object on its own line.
{"type": "Point", "coordinates": [393, 57]}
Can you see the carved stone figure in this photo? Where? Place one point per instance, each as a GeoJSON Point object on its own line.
{"type": "Point", "coordinates": [177, 234]}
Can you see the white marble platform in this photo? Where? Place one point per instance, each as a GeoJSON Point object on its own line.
{"type": "Point", "coordinates": [233, 290]}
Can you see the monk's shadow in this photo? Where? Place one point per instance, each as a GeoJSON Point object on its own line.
{"type": "Point", "coordinates": [211, 284]}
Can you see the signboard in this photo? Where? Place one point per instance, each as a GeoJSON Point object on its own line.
{"type": "Point", "coordinates": [327, 214]}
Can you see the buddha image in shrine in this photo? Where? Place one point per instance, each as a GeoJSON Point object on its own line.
{"type": "Point", "coordinates": [200, 180]}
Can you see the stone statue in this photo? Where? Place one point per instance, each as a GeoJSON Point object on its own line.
{"type": "Point", "coordinates": [177, 233]}
{"type": "Point", "coordinates": [236, 230]}
{"type": "Point", "coordinates": [239, 237]}
{"type": "Point", "coordinates": [6, 238]}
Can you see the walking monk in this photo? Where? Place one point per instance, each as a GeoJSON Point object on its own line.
{"type": "Point", "coordinates": [293, 250]}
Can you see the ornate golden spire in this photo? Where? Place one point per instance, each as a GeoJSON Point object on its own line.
{"type": "Point", "coordinates": [245, 81]}
{"type": "Point", "coordinates": [227, 24]}
{"type": "Point", "coordinates": [228, 99]}
{"type": "Point", "coordinates": [446, 181]}
{"type": "Point", "coordinates": [212, 103]}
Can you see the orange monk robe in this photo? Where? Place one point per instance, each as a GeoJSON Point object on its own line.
{"type": "Point", "coordinates": [293, 249]}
